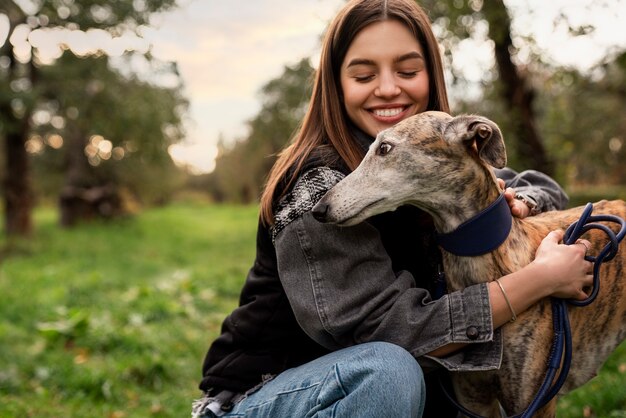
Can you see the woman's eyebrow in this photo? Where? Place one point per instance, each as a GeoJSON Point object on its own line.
{"type": "Point", "coordinates": [360, 61]}
{"type": "Point", "coordinates": [404, 57]}
{"type": "Point", "coordinates": [409, 56]}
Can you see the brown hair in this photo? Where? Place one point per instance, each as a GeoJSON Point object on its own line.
{"type": "Point", "coordinates": [326, 122]}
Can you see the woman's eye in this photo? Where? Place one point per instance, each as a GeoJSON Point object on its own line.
{"type": "Point", "coordinates": [363, 78]}
{"type": "Point", "coordinates": [384, 148]}
{"type": "Point", "coordinates": [408, 74]}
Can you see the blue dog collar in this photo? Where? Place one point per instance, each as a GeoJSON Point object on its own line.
{"type": "Point", "coordinates": [481, 234]}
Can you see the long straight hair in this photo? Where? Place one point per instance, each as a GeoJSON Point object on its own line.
{"type": "Point", "coordinates": [326, 121]}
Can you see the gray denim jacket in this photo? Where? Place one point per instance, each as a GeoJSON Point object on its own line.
{"type": "Point", "coordinates": [343, 290]}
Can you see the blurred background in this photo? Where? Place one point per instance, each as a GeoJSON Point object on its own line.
{"type": "Point", "coordinates": [135, 139]}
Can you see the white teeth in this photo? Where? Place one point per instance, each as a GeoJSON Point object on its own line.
{"type": "Point", "coordinates": [386, 113]}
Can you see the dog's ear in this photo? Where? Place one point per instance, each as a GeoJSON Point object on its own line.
{"type": "Point", "coordinates": [480, 135]}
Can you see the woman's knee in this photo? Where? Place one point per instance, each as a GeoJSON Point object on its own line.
{"type": "Point", "coordinates": [396, 365]}
{"type": "Point", "coordinates": [389, 376]}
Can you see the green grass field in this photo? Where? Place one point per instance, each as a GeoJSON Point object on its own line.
{"type": "Point", "coordinates": [113, 319]}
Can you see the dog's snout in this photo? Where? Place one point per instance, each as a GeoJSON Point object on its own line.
{"type": "Point", "coordinates": [319, 211]}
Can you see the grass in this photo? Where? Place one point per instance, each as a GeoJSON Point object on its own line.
{"type": "Point", "coordinates": [113, 319]}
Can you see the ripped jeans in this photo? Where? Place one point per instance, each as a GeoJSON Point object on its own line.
{"type": "Point", "coordinates": [367, 380]}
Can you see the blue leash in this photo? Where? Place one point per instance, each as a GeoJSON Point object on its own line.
{"type": "Point", "coordinates": [561, 350]}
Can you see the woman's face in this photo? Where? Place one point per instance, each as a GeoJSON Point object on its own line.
{"type": "Point", "coordinates": [383, 77]}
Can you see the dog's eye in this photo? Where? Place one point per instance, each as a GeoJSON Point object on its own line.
{"type": "Point", "coordinates": [384, 148]}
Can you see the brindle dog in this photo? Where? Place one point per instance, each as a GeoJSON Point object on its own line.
{"type": "Point", "coordinates": [442, 165]}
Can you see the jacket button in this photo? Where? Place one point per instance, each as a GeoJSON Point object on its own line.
{"type": "Point", "coordinates": [472, 333]}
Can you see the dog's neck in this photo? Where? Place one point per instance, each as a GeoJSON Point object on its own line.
{"type": "Point", "coordinates": [461, 207]}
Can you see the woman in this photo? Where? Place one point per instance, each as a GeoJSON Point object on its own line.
{"type": "Point", "coordinates": [340, 321]}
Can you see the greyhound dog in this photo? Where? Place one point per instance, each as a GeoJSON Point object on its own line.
{"type": "Point", "coordinates": [443, 165]}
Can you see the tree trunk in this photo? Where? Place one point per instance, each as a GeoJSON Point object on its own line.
{"type": "Point", "coordinates": [517, 93]}
{"type": "Point", "coordinates": [18, 193]}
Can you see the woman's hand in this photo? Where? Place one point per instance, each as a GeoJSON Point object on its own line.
{"type": "Point", "coordinates": [519, 209]}
{"type": "Point", "coordinates": [558, 270]}
{"type": "Point", "coordinates": [563, 267]}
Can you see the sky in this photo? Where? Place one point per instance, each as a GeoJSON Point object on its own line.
{"type": "Point", "coordinates": [227, 50]}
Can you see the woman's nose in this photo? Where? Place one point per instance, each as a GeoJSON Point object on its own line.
{"type": "Point", "coordinates": [387, 86]}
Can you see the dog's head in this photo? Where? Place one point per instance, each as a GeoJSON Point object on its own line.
{"type": "Point", "coordinates": [430, 160]}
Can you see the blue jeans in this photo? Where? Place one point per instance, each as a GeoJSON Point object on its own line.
{"type": "Point", "coordinates": [368, 380]}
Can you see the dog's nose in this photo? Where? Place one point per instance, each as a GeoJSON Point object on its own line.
{"type": "Point", "coordinates": [319, 211]}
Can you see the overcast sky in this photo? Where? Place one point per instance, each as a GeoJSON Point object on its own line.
{"type": "Point", "coordinates": [227, 50]}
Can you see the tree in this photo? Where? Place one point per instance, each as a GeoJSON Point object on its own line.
{"type": "Point", "coordinates": [583, 121]}
{"type": "Point", "coordinates": [21, 85]}
{"type": "Point", "coordinates": [101, 158]}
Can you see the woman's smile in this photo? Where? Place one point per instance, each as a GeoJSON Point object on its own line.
{"type": "Point", "coordinates": [389, 115]}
